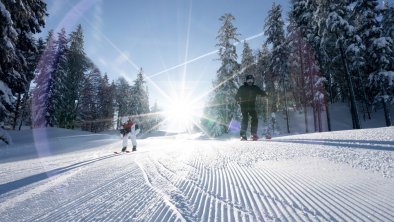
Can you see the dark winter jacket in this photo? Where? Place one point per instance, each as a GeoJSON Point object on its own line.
{"type": "Point", "coordinates": [246, 95]}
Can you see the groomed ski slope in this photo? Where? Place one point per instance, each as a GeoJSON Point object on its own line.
{"type": "Point", "coordinates": [338, 176]}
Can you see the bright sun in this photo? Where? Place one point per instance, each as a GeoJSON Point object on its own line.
{"type": "Point", "coordinates": [182, 114]}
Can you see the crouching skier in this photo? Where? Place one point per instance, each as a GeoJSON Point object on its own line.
{"type": "Point", "coordinates": [125, 130]}
{"type": "Point", "coordinates": [246, 98]}
{"type": "Point", "coordinates": [133, 135]}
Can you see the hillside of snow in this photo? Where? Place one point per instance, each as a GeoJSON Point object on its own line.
{"type": "Point", "coordinates": [62, 175]}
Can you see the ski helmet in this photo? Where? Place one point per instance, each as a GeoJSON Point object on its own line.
{"type": "Point", "coordinates": [249, 77]}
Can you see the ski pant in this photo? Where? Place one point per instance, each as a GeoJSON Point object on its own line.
{"type": "Point", "coordinates": [133, 138]}
{"type": "Point", "coordinates": [125, 139]}
{"type": "Point", "coordinates": [246, 112]}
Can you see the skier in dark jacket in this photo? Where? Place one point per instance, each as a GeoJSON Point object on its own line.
{"type": "Point", "coordinates": [246, 98]}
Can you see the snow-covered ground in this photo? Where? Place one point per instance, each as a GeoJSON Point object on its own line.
{"type": "Point", "coordinates": [61, 175]}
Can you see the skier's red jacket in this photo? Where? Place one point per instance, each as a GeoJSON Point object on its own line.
{"type": "Point", "coordinates": [127, 126]}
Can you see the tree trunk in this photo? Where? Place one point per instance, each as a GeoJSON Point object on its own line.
{"type": "Point", "coordinates": [319, 121]}
{"type": "Point", "coordinates": [387, 115]}
{"type": "Point", "coordinates": [364, 94]}
{"type": "Point", "coordinates": [306, 118]}
{"type": "Point", "coordinates": [287, 113]}
{"type": "Point", "coordinates": [314, 107]}
{"type": "Point", "coordinates": [328, 117]}
{"type": "Point", "coordinates": [23, 113]}
{"type": "Point", "coordinates": [353, 105]}
{"type": "Point", "coordinates": [304, 100]}
{"type": "Point", "coordinates": [330, 88]}
{"type": "Point", "coordinates": [16, 113]}
{"type": "Point", "coordinates": [315, 118]}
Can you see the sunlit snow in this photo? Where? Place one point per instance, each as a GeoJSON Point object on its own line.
{"type": "Point", "coordinates": [338, 176]}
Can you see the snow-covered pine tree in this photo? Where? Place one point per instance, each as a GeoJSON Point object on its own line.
{"type": "Point", "coordinates": [364, 16]}
{"type": "Point", "coordinates": [303, 13]}
{"type": "Point", "coordinates": [388, 19]}
{"type": "Point", "coordinates": [381, 80]}
{"type": "Point", "coordinates": [262, 63]}
{"type": "Point", "coordinates": [140, 99]}
{"type": "Point", "coordinates": [26, 102]}
{"type": "Point", "coordinates": [388, 22]}
{"type": "Point", "coordinates": [310, 17]}
{"type": "Point", "coordinates": [89, 110]}
{"type": "Point", "coordinates": [248, 64]}
{"type": "Point", "coordinates": [297, 68]}
{"type": "Point", "coordinates": [379, 54]}
{"type": "Point", "coordinates": [19, 20]}
{"type": "Point", "coordinates": [76, 67]}
{"type": "Point", "coordinates": [277, 80]}
{"type": "Point", "coordinates": [106, 97]}
{"type": "Point", "coordinates": [59, 78]}
{"type": "Point", "coordinates": [338, 23]}
{"type": "Point", "coordinates": [123, 97]}
{"type": "Point", "coordinates": [44, 85]}
{"type": "Point", "coordinates": [32, 58]}
{"type": "Point", "coordinates": [222, 107]}
{"type": "Point", "coordinates": [315, 92]}
{"type": "Point", "coordinates": [323, 45]}
{"type": "Point", "coordinates": [156, 118]}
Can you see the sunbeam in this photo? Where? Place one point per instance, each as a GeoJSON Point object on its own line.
{"type": "Point", "coordinates": [183, 109]}
{"type": "Point", "coordinates": [203, 56]}
{"type": "Point", "coordinates": [186, 48]}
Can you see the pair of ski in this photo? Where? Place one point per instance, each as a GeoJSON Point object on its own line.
{"type": "Point", "coordinates": [252, 138]}
{"type": "Point", "coordinates": [267, 137]}
{"type": "Point", "coordinates": [243, 139]}
{"type": "Point", "coordinates": [116, 152]}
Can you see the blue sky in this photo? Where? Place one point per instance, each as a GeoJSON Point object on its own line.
{"type": "Point", "coordinates": [159, 36]}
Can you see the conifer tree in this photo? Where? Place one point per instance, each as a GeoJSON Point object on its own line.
{"type": "Point", "coordinates": [222, 107]}
{"type": "Point", "coordinates": [379, 54]}
{"type": "Point", "coordinates": [76, 67]}
{"type": "Point", "coordinates": [310, 17]}
{"type": "Point", "coordinates": [123, 97]}
{"type": "Point", "coordinates": [247, 62]}
{"type": "Point", "coordinates": [140, 102]}
{"type": "Point", "coordinates": [19, 21]}
{"type": "Point", "coordinates": [26, 103]}
{"type": "Point", "coordinates": [297, 68]}
{"type": "Point", "coordinates": [262, 69]}
{"type": "Point", "coordinates": [338, 22]}
{"type": "Point", "coordinates": [106, 99]}
{"type": "Point", "coordinates": [388, 23]}
{"type": "Point", "coordinates": [59, 77]}
{"type": "Point", "coordinates": [140, 99]}
{"type": "Point", "coordinates": [278, 67]}
{"type": "Point", "coordinates": [41, 103]}
{"type": "Point", "coordinates": [89, 108]}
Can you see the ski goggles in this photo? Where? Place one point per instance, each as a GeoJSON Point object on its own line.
{"type": "Point", "coordinates": [250, 81]}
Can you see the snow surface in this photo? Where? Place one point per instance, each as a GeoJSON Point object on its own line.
{"type": "Point", "coordinates": [63, 175]}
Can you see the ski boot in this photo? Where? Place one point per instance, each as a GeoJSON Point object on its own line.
{"type": "Point", "coordinates": [124, 149]}
{"type": "Point", "coordinates": [243, 138]}
{"type": "Point", "coordinates": [255, 137]}
{"type": "Point", "coordinates": [134, 148]}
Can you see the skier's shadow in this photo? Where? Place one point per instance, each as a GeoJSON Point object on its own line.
{"type": "Point", "coordinates": [361, 144]}
{"type": "Point", "coordinates": [13, 185]}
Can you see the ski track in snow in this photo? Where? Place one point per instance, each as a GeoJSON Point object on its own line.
{"type": "Point", "coordinates": [320, 177]}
